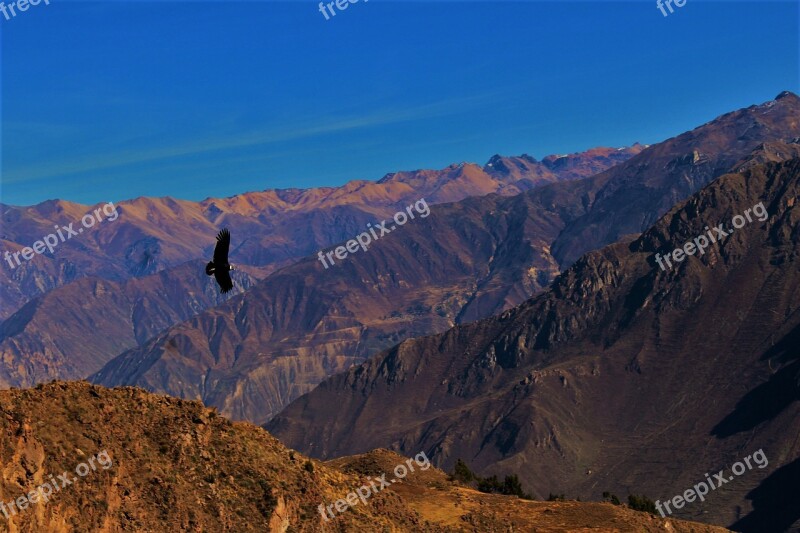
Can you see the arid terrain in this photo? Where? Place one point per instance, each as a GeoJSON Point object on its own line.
{"type": "Point", "coordinates": [497, 342]}
{"type": "Point", "coordinates": [620, 377]}
{"type": "Point", "coordinates": [178, 466]}
{"type": "Point", "coordinates": [400, 267]}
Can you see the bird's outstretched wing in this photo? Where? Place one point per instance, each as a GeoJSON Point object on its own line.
{"type": "Point", "coordinates": [221, 249]}
{"type": "Point", "coordinates": [223, 278]}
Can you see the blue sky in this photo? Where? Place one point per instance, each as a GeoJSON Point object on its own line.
{"type": "Point", "coordinates": [113, 100]}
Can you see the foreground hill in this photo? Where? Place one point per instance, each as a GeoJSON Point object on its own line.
{"type": "Point", "coordinates": [271, 228]}
{"type": "Point", "coordinates": [621, 377]}
{"type": "Point", "coordinates": [166, 465]}
{"type": "Point", "coordinates": [468, 260]}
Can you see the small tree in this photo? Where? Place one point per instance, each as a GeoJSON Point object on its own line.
{"type": "Point", "coordinates": [641, 503]}
{"type": "Point", "coordinates": [462, 473]}
{"type": "Point", "coordinates": [513, 487]}
{"type": "Point", "coordinates": [490, 484]}
{"type": "Point", "coordinates": [510, 485]}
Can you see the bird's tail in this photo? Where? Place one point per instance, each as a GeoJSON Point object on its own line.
{"type": "Point", "coordinates": [210, 268]}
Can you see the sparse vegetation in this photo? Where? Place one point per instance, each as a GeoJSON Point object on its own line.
{"type": "Point", "coordinates": [612, 498]}
{"type": "Point", "coordinates": [489, 484]}
{"type": "Point", "coordinates": [641, 503]}
{"type": "Point", "coordinates": [462, 473]}
{"type": "Point", "coordinates": [510, 486]}
{"type": "Point", "coordinates": [513, 486]}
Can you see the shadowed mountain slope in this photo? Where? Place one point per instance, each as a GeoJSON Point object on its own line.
{"type": "Point", "coordinates": [166, 465]}
{"type": "Point", "coordinates": [464, 262]}
{"type": "Point", "coordinates": [257, 352]}
{"type": "Point", "coordinates": [620, 377]}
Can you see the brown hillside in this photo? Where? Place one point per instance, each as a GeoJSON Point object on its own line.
{"type": "Point", "coordinates": [172, 465]}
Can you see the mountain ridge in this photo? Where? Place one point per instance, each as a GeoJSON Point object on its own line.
{"type": "Point", "coordinates": [568, 382]}
{"type": "Point", "coordinates": [488, 254]}
{"type": "Point", "coordinates": [280, 225]}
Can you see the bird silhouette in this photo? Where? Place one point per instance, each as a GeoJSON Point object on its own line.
{"type": "Point", "coordinates": [219, 267]}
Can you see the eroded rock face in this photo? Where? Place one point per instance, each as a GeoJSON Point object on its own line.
{"type": "Point", "coordinates": [279, 522]}
{"type": "Point", "coordinates": [466, 261]}
{"type": "Point", "coordinates": [614, 360]}
{"type": "Point", "coordinates": [110, 313]}
{"type": "Point", "coordinates": [671, 171]}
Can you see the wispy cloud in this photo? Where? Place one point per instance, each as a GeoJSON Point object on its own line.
{"type": "Point", "coordinates": [58, 168]}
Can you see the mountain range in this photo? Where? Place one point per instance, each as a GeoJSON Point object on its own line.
{"type": "Point", "coordinates": [468, 260]}
{"type": "Point", "coordinates": [524, 327]}
{"type": "Point", "coordinates": [273, 227]}
{"type": "Point", "coordinates": [154, 247]}
{"type": "Point", "coordinates": [620, 376]}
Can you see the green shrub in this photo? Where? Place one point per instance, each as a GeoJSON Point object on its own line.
{"type": "Point", "coordinates": [513, 487]}
{"type": "Point", "coordinates": [510, 486]}
{"type": "Point", "coordinates": [462, 473]}
{"type": "Point", "coordinates": [641, 503]}
{"type": "Point", "coordinates": [489, 484]}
